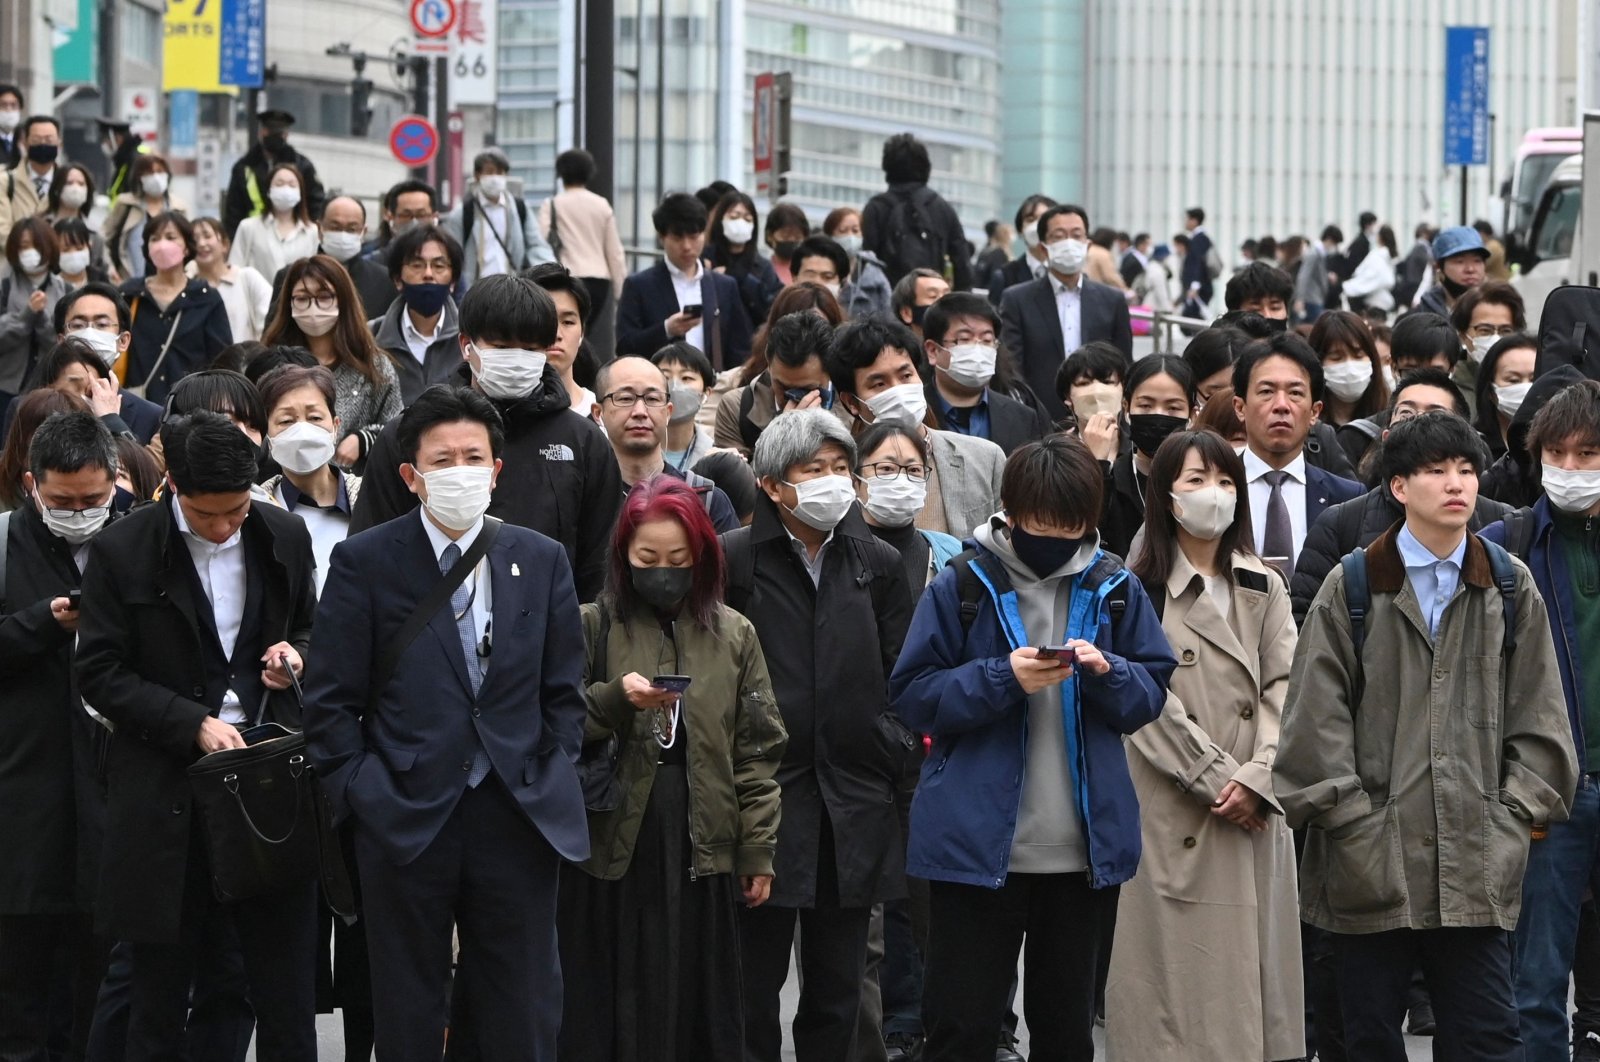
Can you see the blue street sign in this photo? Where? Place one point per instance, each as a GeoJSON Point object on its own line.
{"type": "Point", "coordinates": [243, 47]}
{"type": "Point", "coordinates": [1466, 95]}
{"type": "Point", "coordinates": [183, 122]}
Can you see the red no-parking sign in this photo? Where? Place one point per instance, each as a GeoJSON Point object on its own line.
{"type": "Point", "coordinates": [414, 140]}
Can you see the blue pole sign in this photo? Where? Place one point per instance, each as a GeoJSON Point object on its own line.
{"type": "Point", "coordinates": [243, 48]}
{"type": "Point", "coordinates": [1466, 95]}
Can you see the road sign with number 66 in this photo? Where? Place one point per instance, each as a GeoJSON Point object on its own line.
{"type": "Point", "coordinates": [472, 53]}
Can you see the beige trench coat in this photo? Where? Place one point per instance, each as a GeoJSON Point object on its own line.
{"type": "Point", "coordinates": [1206, 961]}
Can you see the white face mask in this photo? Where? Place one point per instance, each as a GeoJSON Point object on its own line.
{"type": "Point", "coordinates": [822, 502]}
{"type": "Point", "coordinates": [851, 244]}
{"type": "Point", "coordinates": [509, 373]}
{"type": "Point", "coordinates": [302, 447]}
{"type": "Point", "coordinates": [104, 343]}
{"type": "Point", "coordinates": [74, 262]}
{"type": "Point", "coordinates": [1096, 398]}
{"type": "Point", "coordinates": [74, 196]}
{"type": "Point", "coordinates": [315, 321]}
{"type": "Point", "coordinates": [738, 230]}
{"type": "Point", "coordinates": [1067, 256]}
{"type": "Point", "coordinates": [1348, 380]}
{"type": "Point", "coordinates": [1510, 397]}
{"type": "Point", "coordinates": [834, 290]}
{"type": "Point", "coordinates": [75, 528]}
{"type": "Point", "coordinates": [1388, 377]}
{"type": "Point", "coordinates": [1576, 491]}
{"type": "Point", "coordinates": [1480, 348]}
{"type": "Point", "coordinates": [1030, 236]}
{"type": "Point", "coordinates": [895, 502]}
{"type": "Point", "coordinates": [30, 260]}
{"type": "Point", "coordinates": [9, 120]}
{"type": "Point", "coordinates": [493, 185]}
{"type": "Point", "coordinates": [1205, 513]}
{"type": "Point", "coordinates": [154, 185]}
{"type": "Point", "coordinates": [284, 196]}
{"type": "Point", "coordinates": [459, 495]}
{"type": "Point", "coordinates": [900, 402]}
{"type": "Point", "coordinates": [342, 246]}
{"type": "Point", "coordinates": [971, 364]}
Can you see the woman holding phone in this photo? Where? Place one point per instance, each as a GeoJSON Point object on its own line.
{"type": "Point", "coordinates": [1206, 961]}
{"type": "Point", "coordinates": [683, 721]}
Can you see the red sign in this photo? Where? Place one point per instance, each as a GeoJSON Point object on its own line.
{"type": "Point", "coordinates": [414, 140]}
{"type": "Point", "coordinates": [433, 18]}
{"type": "Point", "coordinates": [765, 131]}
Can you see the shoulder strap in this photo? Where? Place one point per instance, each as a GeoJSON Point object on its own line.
{"type": "Point", "coordinates": [598, 674]}
{"type": "Point", "coordinates": [554, 239]}
{"type": "Point", "coordinates": [437, 598]}
{"type": "Point", "coordinates": [5, 534]}
{"type": "Point", "coordinates": [468, 215]}
{"type": "Point", "coordinates": [1357, 598]}
{"type": "Point", "coordinates": [1519, 532]}
{"type": "Point", "coordinates": [1505, 577]}
{"type": "Point", "coordinates": [741, 559]}
{"type": "Point", "coordinates": [971, 588]}
{"type": "Point", "coordinates": [747, 402]}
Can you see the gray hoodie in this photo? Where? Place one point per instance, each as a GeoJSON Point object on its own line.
{"type": "Point", "coordinates": [1049, 836]}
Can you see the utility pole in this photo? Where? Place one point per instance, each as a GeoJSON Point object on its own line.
{"type": "Point", "coordinates": [598, 97]}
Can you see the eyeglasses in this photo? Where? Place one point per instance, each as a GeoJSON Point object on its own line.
{"type": "Point", "coordinates": [327, 300]}
{"type": "Point", "coordinates": [889, 470]}
{"type": "Point", "coordinates": [627, 399]}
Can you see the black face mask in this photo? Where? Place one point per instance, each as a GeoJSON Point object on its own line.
{"type": "Point", "coordinates": [1043, 553]}
{"type": "Point", "coordinates": [1455, 290]}
{"type": "Point", "coordinates": [917, 314]}
{"type": "Point", "coordinates": [43, 154]}
{"type": "Point", "coordinates": [1149, 430]}
{"type": "Point", "coordinates": [785, 249]}
{"type": "Point", "coordinates": [662, 588]}
{"type": "Point", "coordinates": [274, 143]}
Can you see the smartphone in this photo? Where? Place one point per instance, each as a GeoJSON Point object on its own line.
{"type": "Point", "coordinates": [692, 310]}
{"type": "Point", "coordinates": [74, 597]}
{"type": "Point", "coordinates": [1065, 654]}
{"type": "Point", "coordinates": [675, 683]}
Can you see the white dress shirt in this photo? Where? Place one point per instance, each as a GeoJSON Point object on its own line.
{"type": "Point", "coordinates": [491, 252]}
{"type": "Point", "coordinates": [1069, 308]}
{"type": "Point", "coordinates": [222, 577]}
{"type": "Point", "coordinates": [483, 599]}
{"type": "Point", "coordinates": [416, 342]}
{"type": "Point", "coordinates": [1294, 498]}
{"type": "Point", "coordinates": [687, 285]}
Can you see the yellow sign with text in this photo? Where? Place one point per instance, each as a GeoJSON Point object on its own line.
{"type": "Point", "coordinates": [191, 55]}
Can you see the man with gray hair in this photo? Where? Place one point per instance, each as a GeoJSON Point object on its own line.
{"type": "Point", "coordinates": [830, 605]}
{"type": "Point", "coordinates": [497, 233]}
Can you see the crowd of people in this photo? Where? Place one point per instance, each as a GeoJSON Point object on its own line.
{"type": "Point", "coordinates": [856, 602]}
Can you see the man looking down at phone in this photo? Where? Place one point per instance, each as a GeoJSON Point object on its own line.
{"type": "Point", "coordinates": [1025, 822]}
{"type": "Point", "coordinates": [795, 379]}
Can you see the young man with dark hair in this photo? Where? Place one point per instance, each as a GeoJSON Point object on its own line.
{"type": "Point", "coordinates": [1047, 319]}
{"type": "Point", "coordinates": [1032, 263]}
{"type": "Point", "coordinates": [1201, 263]}
{"type": "Point", "coordinates": [1557, 537]}
{"type": "Point", "coordinates": [876, 372]}
{"type": "Point", "coordinates": [1359, 521]}
{"type": "Point", "coordinates": [561, 478]}
{"type": "Point", "coordinates": [820, 260]}
{"type": "Point", "coordinates": [1277, 392]}
{"type": "Point", "coordinates": [1460, 262]}
{"type": "Point", "coordinates": [455, 766]}
{"type": "Point", "coordinates": [961, 340]}
{"type": "Point", "coordinates": [48, 782]}
{"type": "Point", "coordinates": [1043, 855]}
{"type": "Point", "coordinates": [1260, 287]}
{"type": "Point", "coordinates": [1422, 339]}
{"type": "Point", "coordinates": [679, 297]}
{"type": "Point", "coordinates": [11, 104]}
{"type": "Point", "coordinates": [909, 225]}
{"type": "Point", "coordinates": [1424, 745]}
{"type": "Point", "coordinates": [195, 610]}
{"type": "Point", "coordinates": [419, 329]}
{"type": "Point", "coordinates": [795, 378]}
{"type": "Point", "coordinates": [582, 232]}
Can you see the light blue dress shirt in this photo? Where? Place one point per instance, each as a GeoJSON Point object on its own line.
{"type": "Point", "coordinates": [1433, 580]}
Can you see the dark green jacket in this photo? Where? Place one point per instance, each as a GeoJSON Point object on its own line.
{"type": "Point", "coordinates": [735, 734]}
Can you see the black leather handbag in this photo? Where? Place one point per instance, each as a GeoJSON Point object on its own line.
{"type": "Point", "coordinates": [264, 819]}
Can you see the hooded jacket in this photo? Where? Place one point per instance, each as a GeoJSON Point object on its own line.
{"type": "Point", "coordinates": [1511, 479]}
{"type": "Point", "coordinates": [985, 784]}
{"type": "Point", "coordinates": [560, 478]}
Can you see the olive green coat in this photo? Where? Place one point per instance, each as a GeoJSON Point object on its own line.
{"type": "Point", "coordinates": [731, 722]}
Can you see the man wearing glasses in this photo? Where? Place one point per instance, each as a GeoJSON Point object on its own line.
{"type": "Point", "coordinates": [633, 408]}
{"type": "Point", "coordinates": [1484, 315]}
{"type": "Point", "coordinates": [560, 476]}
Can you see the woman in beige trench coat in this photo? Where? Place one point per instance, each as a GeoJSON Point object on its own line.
{"type": "Point", "coordinates": [1206, 961]}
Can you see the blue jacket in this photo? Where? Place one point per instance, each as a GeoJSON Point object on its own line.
{"type": "Point", "coordinates": [964, 694]}
{"type": "Point", "coordinates": [1555, 586]}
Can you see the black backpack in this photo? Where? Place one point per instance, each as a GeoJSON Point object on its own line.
{"type": "Point", "coordinates": [910, 239]}
{"type": "Point", "coordinates": [1569, 331]}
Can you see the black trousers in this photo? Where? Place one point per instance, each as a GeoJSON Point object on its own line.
{"type": "Point", "coordinates": [1469, 978]}
{"type": "Point", "coordinates": [974, 937]}
{"type": "Point", "coordinates": [50, 971]}
{"type": "Point", "coordinates": [221, 1023]}
{"type": "Point", "coordinates": [491, 875]}
{"type": "Point", "coordinates": [833, 959]}
{"type": "Point", "coordinates": [1586, 974]}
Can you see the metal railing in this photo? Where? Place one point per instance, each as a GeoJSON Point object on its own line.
{"type": "Point", "coordinates": [1164, 327]}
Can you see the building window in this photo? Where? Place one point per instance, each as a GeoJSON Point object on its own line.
{"type": "Point", "coordinates": [141, 35]}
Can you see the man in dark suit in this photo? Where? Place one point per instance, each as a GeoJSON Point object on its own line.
{"type": "Point", "coordinates": [1198, 262]}
{"type": "Point", "coordinates": [1277, 386]}
{"type": "Point", "coordinates": [680, 298]}
{"type": "Point", "coordinates": [960, 334]}
{"type": "Point", "coordinates": [11, 115]}
{"type": "Point", "coordinates": [1031, 264]}
{"type": "Point", "coordinates": [193, 608]}
{"type": "Point", "coordinates": [456, 767]}
{"type": "Point", "coordinates": [1044, 320]}
{"type": "Point", "coordinates": [98, 314]}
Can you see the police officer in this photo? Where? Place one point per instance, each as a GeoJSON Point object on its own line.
{"type": "Point", "coordinates": [247, 188]}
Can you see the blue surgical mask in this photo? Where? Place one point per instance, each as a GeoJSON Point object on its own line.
{"type": "Point", "coordinates": [426, 299]}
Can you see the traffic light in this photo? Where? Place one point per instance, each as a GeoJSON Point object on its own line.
{"type": "Point", "coordinates": [360, 111]}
